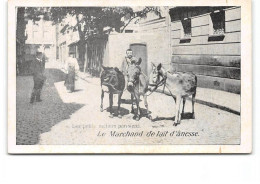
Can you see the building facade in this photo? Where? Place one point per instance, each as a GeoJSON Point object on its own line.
{"type": "Point", "coordinates": [207, 42]}
{"type": "Point", "coordinates": [202, 40]}
{"type": "Point", "coordinates": [67, 40]}
{"type": "Point", "coordinates": [149, 40]}
{"type": "Point", "coordinates": [40, 37]}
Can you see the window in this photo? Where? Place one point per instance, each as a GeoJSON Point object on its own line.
{"type": "Point", "coordinates": [37, 36]}
{"type": "Point", "coordinates": [47, 36]}
{"type": "Point", "coordinates": [217, 23]}
{"type": "Point", "coordinates": [72, 49]}
{"type": "Point", "coordinates": [186, 28]}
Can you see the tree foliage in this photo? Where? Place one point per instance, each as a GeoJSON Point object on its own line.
{"type": "Point", "coordinates": [90, 19]}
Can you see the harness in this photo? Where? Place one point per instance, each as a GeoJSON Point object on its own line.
{"type": "Point", "coordinates": [162, 82]}
{"type": "Point", "coordinates": [110, 84]}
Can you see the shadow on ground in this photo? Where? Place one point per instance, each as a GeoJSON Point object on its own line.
{"type": "Point", "coordinates": [186, 115]}
{"type": "Point", "coordinates": [128, 101]}
{"type": "Point", "coordinates": [35, 119]}
{"type": "Point", "coordinates": [123, 111]}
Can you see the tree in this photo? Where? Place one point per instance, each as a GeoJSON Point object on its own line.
{"type": "Point", "coordinates": [89, 20]}
{"type": "Point", "coordinates": [142, 14]}
{"type": "Point", "coordinates": [20, 39]}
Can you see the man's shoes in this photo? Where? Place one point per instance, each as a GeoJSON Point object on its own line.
{"type": "Point", "coordinates": [32, 100]}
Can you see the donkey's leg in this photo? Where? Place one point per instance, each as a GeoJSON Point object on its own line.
{"type": "Point", "coordinates": [102, 97]}
{"type": "Point", "coordinates": [137, 99]}
{"type": "Point", "coordinates": [183, 105]}
{"type": "Point", "coordinates": [146, 106]}
{"type": "Point", "coordinates": [111, 105]}
{"type": "Point", "coordinates": [193, 102]}
{"type": "Point", "coordinates": [132, 101]}
{"type": "Point", "coordinates": [119, 103]}
{"type": "Point", "coordinates": [177, 111]}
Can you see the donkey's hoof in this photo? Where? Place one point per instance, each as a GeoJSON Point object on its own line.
{"type": "Point", "coordinates": [111, 115]}
{"type": "Point", "coordinates": [149, 117]}
{"type": "Point", "coordinates": [193, 116]}
{"type": "Point", "coordinates": [175, 124]}
{"type": "Point", "coordinates": [101, 109]}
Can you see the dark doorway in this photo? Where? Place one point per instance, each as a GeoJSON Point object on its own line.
{"type": "Point", "coordinates": [140, 51]}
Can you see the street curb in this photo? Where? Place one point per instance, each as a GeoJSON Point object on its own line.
{"type": "Point", "coordinates": [210, 104]}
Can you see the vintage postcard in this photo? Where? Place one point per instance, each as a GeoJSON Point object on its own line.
{"type": "Point", "coordinates": [140, 77]}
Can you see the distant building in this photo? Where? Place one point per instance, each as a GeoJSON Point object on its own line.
{"type": "Point", "coordinates": [40, 37]}
{"type": "Point", "coordinates": [67, 39]}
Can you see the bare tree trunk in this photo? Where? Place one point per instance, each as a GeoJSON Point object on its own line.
{"type": "Point", "coordinates": [81, 46]}
{"type": "Point", "coordinates": [82, 51]}
{"type": "Point", "coordinates": [20, 36]}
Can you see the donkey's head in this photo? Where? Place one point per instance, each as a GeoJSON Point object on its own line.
{"type": "Point", "coordinates": [112, 79]}
{"type": "Point", "coordinates": [109, 76]}
{"type": "Point", "coordinates": [155, 75]}
{"type": "Point", "coordinates": [133, 73]}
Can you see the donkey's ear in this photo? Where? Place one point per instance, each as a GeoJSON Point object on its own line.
{"type": "Point", "coordinates": [153, 66]}
{"type": "Point", "coordinates": [139, 61]}
{"type": "Point", "coordinates": [104, 68]}
{"type": "Point", "coordinates": [159, 66]}
{"type": "Point", "coordinates": [116, 69]}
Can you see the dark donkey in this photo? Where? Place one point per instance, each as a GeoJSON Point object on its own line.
{"type": "Point", "coordinates": [112, 82]}
{"type": "Point", "coordinates": [179, 84]}
{"type": "Point", "coordinates": [137, 85]}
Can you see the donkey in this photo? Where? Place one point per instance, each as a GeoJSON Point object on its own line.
{"type": "Point", "coordinates": [137, 85]}
{"type": "Point", "coordinates": [179, 84]}
{"type": "Point", "coordinates": [112, 82]}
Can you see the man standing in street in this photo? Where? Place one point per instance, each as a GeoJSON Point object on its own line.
{"type": "Point", "coordinates": [37, 69]}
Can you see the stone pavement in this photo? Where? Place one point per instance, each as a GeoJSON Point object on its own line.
{"type": "Point", "coordinates": [35, 119]}
{"type": "Point", "coordinates": [75, 118]}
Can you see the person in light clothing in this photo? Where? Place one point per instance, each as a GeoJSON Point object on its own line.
{"type": "Point", "coordinates": [71, 69]}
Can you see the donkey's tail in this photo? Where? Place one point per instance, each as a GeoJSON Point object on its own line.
{"type": "Point", "coordinates": [195, 86]}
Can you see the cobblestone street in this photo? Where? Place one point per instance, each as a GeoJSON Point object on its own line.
{"type": "Point", "coordinates": [75, 118]}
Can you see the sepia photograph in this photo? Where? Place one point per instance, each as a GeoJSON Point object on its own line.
{"type": "Point", "coordinates": [125, 76]}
